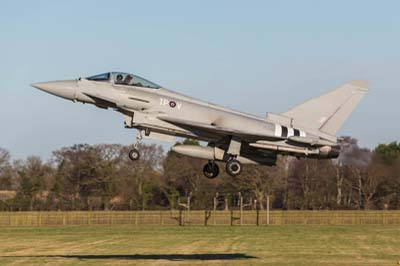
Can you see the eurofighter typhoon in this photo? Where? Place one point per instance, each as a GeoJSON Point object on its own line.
{"type": "Point", "coordinates": [235, 138]}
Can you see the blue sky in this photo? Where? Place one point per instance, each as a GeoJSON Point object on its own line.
{"type": "Point", "coordinates": [255, 56]}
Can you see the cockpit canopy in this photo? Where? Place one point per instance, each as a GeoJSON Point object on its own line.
{"type": "Point", "coordinates": [121, 78]}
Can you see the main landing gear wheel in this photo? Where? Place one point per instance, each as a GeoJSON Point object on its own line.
{"type": "Point", "coordinates": [134, 155]}
{"type": "Point", "coordinates": [233, 168]}
{"type": "Point", "coordinates": [211, 170]}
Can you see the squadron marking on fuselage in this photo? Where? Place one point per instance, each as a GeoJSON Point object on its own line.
{"type": "Point", "coordinates": [170, 103]}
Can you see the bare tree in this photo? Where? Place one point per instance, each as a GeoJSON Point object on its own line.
{"type": "Point", "coordinates": [6, 173]}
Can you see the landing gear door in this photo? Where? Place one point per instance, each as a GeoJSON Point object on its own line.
{"type": "Point", "coordinates": [140, 118]}
{"type": "Point", "coordinates": [137, 118]}
{"type": "Point", "coordinates": [158, 136]}
{"type": "Point", "coordinates": [128, 120]}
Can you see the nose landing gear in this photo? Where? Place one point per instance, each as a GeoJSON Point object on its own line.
{"type": "Point", "coordinates": [134, 154]}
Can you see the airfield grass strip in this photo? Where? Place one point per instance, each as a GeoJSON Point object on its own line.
{"type": "Point", "coordinates": [299, 245]}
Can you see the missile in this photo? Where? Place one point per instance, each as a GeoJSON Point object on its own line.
{"type": "Point", "coordinates": [322, 152]}
{"type": "Point", "coordinates": [311, 141]}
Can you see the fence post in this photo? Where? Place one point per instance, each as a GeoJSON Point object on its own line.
{"type": "Point", "coordinates": [305, 217]}
{"type": "Point", "coordinates": [336, 218]}
{"type": "Point", "coordinates": [267, 209]}
{"type": "Point", "coordinates": [241, 208]}
{"type": "Point", "coordinates": [180, 217]}
{"type": "Point", "coordinates": [207, 215]}
{"type": "Point", "coordinates": [39, 219]}
{"type": "Point", "coordinates": [215, 208]}
{"type": "Point", "coordinates": [257, 216]}
{"type": "Point", "coordinates": [383, 217]}
{"type": "Point", "coordinates": [188, 208]}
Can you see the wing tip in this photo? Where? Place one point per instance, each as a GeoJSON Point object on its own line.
{"type": "Point", "coordinates": [360, 84]}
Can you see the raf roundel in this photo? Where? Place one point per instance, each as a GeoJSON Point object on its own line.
{"type": "Point", "coordinates": [172, 104]}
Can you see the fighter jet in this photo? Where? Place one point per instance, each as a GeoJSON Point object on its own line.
{"type": "Point", "coordinates": [235, 138]}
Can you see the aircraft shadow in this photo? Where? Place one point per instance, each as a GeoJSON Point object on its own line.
{"type": "Point", "coordinates": [171, 257]}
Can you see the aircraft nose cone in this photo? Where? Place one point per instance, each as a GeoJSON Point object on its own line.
{"type": "Point", "coordinates": [65, 89]}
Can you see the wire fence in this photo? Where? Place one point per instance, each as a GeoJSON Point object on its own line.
{"type": "Point", "coordinates": [194, 217]}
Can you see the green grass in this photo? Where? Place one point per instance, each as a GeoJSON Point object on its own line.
{"type": "Point", "coordinates": [274, 245]}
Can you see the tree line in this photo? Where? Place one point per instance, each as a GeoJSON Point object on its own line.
{"type": "Point", "coordinates": [101, 177]}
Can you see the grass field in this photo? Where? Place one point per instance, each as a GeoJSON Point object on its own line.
{"type": "Point", "coordinates": [171, 245]}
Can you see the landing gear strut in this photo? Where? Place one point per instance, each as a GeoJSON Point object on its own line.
{"type": "Point", "coordinates": [211, 170]}
{"type": "Point", "coordinates": [134, 154]}
{"type": "Point", "coordinates": [233, 167]}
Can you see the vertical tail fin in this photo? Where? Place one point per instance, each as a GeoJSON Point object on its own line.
{"type": "Point", "coordinates": [328, 112]}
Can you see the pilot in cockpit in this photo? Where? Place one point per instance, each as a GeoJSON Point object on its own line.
{"type": "Point", "coordinates": [124, 79]}
{"type": "Point", "coordinates": [128, 79]}
{"type": "Point", "coordinates": [119, 79]}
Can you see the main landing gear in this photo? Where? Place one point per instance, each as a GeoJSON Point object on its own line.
{"type": "Point", "coordinates": [211, 170]}
{"type": "Point", "coordinates": [233, 168]}
{"type": "Point", "coordinates": [134, 154]}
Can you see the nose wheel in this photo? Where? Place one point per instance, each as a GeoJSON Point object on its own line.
{"type": "Point", "coordinates": [233, 168]}
{"type": "Point", "coordinates": [134, 154]}
{"type": "Point", "coordinates": [211, 170]}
